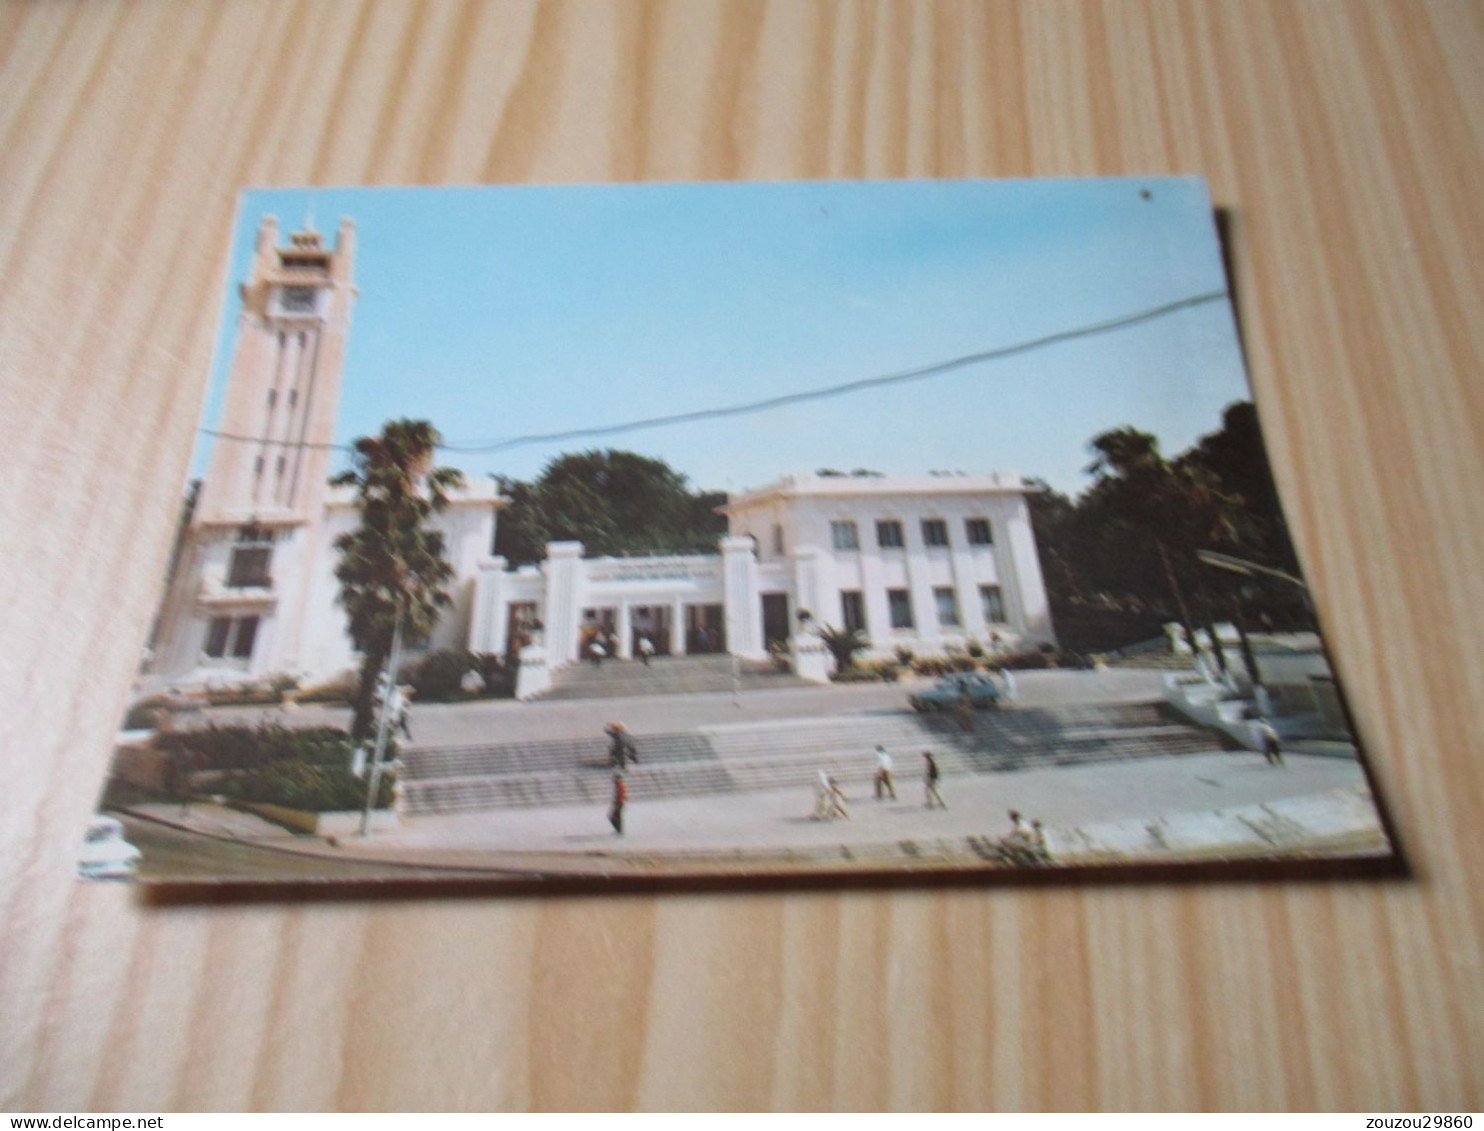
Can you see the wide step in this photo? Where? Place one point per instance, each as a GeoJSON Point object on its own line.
{"type": "Point", "coordinates": [787, 754]}
{"type": "Point", "coordinates": [666, 675]}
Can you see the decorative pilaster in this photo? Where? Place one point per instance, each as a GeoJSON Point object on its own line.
{"type": "Point", "coordinates": [739, 584]}
{"type": "Point", "coordinates": [563, 571]}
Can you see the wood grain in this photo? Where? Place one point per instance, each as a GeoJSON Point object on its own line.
{"type": "Point", "coordinates": [1346, 139]}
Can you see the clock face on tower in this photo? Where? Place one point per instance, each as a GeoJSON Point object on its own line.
{"type": "Point", "coordinates": [297, 300]}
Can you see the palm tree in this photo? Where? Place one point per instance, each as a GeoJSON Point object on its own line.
{"type": "Point", "coordinates": [843, 644]}
{"type": "Point", "coordinates": [392, 567]}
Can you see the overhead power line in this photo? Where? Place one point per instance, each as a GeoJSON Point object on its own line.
{"type": "Point", "coordinates": [936, 369]}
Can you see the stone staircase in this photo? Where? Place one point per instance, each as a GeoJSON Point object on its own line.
{"type": "Point", "coordinates": [665, 675]}
{"type": "Point", "coordinates": [788, 754]}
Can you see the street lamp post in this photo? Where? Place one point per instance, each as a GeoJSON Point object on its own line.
{"type": "Point", "coordinates": [1242, 567]}
{"type": "Point", "coordinates": [383, 726]}
{"type": "Point", "coordinates": [1252, 569]}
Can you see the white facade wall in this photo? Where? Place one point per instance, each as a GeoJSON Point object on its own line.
{"type": "Point", "coordinates": [809, 509]}
{"type": "Point", "coordinates": [301, 627]}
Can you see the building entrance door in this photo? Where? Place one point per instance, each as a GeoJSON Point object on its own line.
{"type": "Point", "coordinates": [775, 619]}
{"type": "Point", "coordinates": [705, 629]}
{"type": "Point", "coordinates": [598, 627]}
{"type": "Point", "coordinates": [652, 622]}
{"type": "Point", "coordinates": [521, 625]}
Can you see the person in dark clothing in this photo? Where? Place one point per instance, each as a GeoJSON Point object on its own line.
{"type": "Point", "coordinates": [621, 748]}
{"type": "Point", "coordinates": [620, 799]}
{"type": "Point", "coordinates": [930, 778]}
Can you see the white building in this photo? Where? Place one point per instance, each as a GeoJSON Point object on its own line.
{"type": "Point", "coordinates": [928, 564]}
{"type": "Point", "coordinates": [923, 563]}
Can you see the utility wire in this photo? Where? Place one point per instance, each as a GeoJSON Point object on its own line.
{"type": "Point", "coordinates": [936, 369]}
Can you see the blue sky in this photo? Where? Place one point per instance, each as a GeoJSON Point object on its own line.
{"type": "Point", "coordinates": [503, 311]}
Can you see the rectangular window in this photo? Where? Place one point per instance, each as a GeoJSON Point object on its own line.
{"type": "Point", "coordinates": [947, 602]}
{"type": "Point", "coordinates": [250, 568]}
{"type": "Point", "coordinates": [778, 539]}
{"type": "Point", "coordinates": [216, 636]}
{"type": "Point", "coordinates": [853, 610]}
{"type": "Point", "coordinates": [977, 531]}
{"type": "Point", "coordinates": [901, 608]}
{"type": "Point", "coordinates": [993, 600]}
{"type": "Point", "coordinates": [231, 636]}
{"type": "Point", "coordinates": [251, 563]}
{"type": "Point", "coordinates": [934, 532]}
{"type": "Point", "coordinates": [889, 534]}
{"type": "Point", "coordinates": [247, 632]}
{"type": "Point", "coordinates": [844, 537]}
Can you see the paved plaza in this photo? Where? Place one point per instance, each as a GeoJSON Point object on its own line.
{"type": "Point", "coordinates": [1198, 804]}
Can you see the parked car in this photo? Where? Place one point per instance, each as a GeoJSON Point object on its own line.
{"type": "Point", "coordinates": [945, 694]}
{"type": "Point", "coordinates": [105, 854]}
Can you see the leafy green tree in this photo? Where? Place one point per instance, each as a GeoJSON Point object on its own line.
{"type": "Point", "coordinates": [1120, 559]}
{"type": "Point", "coordinates": [613, 502]}
{"type": "Point", "coordinates": [393, 564]}
{"type": "Point", "coordinates": [1178, 508]}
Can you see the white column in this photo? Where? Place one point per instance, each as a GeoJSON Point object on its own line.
{"type": "Point", "coordinates": [740, 598]}
{"type": "Point", "coordinates": [625, 650]}
{"type": "Point", "coordinates": [806, 585]}
{"type": "Point", "coordinates": [563, 571]}
{"type": "Point", "coordinates": [677, 628]}
{"type": "Point", "coordinates": [1030, 611]}
{"type": "Point", "coordinates": [489, 618]}
{"type": "Point", "coordinates": [919, 584]}
{"type": "Point", "coordinates": [970, 608]}
{"type": "Point", "coordinates": [873, 590]}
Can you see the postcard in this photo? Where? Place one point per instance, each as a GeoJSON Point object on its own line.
{"type": "Point", "coordinates": [731, 533]}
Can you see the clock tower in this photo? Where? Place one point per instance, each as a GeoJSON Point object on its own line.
{"type": "Point", "coordinates": [257, 553]}
{"type": "Point", "coordinates": [278, 420]}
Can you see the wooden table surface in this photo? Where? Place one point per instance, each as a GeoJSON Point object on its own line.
{"type": "Point", "coordinates": [1346, 139]}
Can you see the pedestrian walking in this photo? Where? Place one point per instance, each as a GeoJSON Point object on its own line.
{"type": "Point", "coordinates": [930, 775]}
{"type": "Point", "coordinates": [837, 800]}
{"type": "Point", "coordinates": [823, 797]}
{"type": "Point", "coordinates": [1272, 747]}
{"type": "Point", "coordinates": [883, 780]}
{"type": "Point", "coordinates": [1020, 832]}
{"type": "Point", "coordinates": [620, 799]}
{"type": "Point", "coordinates": [646, 648]}
{"type": "Point", "coordinates": [596, 652]}
{"type": "Point", "coordinates": [621, 747]}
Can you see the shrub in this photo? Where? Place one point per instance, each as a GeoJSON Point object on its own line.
{"type": "Point", "coordinates": [887, 671]}
{"type": "Point", "coordinates": [904, 655]}
{"type": "Point", "coordinates": [143, 715]}
{"type": "Point", "coordinates": [498, 675]}
{"type": "Point", "coordinates": [244, 747]}
{"type": "Point", "coordinates": [247, 695]}
{"type": "Point", "coordinates": [307, 768]}
{"type": "Point", "coordinates": [439, 676]}
{"type": "Point", "coordinates": [853, 675]}
{"type": "Point", "coordinates": [976, 650]}
{"type": "Point", "coordinates": [933, 665]}
{"type": "Point", "coordinates": [337, 690]}
{"type": "Point", "coordinates": [298, 785]}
